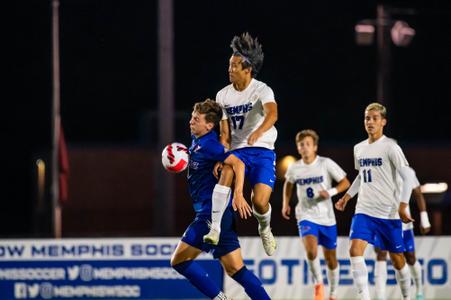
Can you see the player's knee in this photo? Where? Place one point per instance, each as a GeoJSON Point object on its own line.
{"type": "Point", "coordinates": [410, 258]}
{"type": "Point", "coordinates": [331, 262]}
{"type": "Point", "coordinates": [381, 255]}
{"type": "Point", "coordinates": [311, 254]}
{"type": "Point", "coordinates": [232, 269]}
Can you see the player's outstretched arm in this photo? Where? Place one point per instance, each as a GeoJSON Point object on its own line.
{"type": "Point", "coordinates": [340, 187]}
{"type": "Point", "coordinates": [352, 191]}
{"type": "Point", "coordinates": [404, 214]}
{"type": "Point", "coordinates": [270, 109]}
{"type": "Point", "coordinates": [239, 203]}
{"type": "Point", "coordinates": [425, 225]}
{"type": "Point", "coordinates": [287, 192]}
{"type": "Point", "coordinates": [224, 133]}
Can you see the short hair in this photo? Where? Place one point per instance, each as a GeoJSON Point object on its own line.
{"type": "Point", "coordinates": [379, 107]}
{"type": "Point", "coordinates": [305, 133]}
{"type": "Point", "coordinates": [211, 109]}
{"type": "Point", "coordinates": [250, 51]}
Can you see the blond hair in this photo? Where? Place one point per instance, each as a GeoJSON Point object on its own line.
{"type": "Point", "coordinates": [378, 107]}
{"type": "Point", "coordinates": [305, 133]}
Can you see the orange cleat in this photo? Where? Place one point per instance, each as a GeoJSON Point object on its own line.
{"type": "Point", "coordinates": [319, 292]}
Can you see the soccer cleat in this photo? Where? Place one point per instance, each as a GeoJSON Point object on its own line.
{"type": "Point", "coordinates": [268, 240]}
{"type": "Point", "coordinates": [419, 297]}
{"type": "Point", "coordinates": [212, 237]}
{"type": "Point", "coordinates": [332, 298]}
{"type": "Point", "coordinates": [319, 292]}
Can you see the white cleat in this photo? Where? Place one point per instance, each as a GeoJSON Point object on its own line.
{"type": "Point", "coordinates": [212, 237]}
{"type": "Point", "coordinates": [268, 240]}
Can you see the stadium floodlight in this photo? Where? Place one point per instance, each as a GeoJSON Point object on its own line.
{"type": "Point", "coordinates": [434, 188]}
{"type": "Point", "coordinates": [364, 33]}
{"type": "Point", "coordinates": [402, 34]}
{"type": "Point", "coordinates": [283, 165]}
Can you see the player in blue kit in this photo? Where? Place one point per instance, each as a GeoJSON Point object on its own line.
{"type": "Point", "coordinates": [205, 151]}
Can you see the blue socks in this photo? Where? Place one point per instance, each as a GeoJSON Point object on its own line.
{"type": "Point", "coordinates": [198, 277]}
{"type": "Point", "coordinates": [252, 285]}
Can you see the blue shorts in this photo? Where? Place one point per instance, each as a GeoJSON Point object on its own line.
{"type": "Point", "coordinates": [260, 164]}
{"type": "Point", "coordinates": [228, 240]}
{"type": "Point", "coordinates": [409, 241]}
{"type": "Point", "coordinates": [385, 234]}
{"type": "Point", "coordinates": [326, 235]}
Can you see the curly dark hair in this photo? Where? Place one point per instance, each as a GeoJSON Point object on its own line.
{"type": "Point", "coordinates": [250, 51]}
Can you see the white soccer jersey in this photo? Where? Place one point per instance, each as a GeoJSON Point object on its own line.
{"type": "Point", "coordinates": [416, 183]}
{"type": "Point", "coordinates": [244, 109]}
{"type": "Point", "coordinates": [309, 180]}
{"type": "Point", "coordinates": [377, 164]}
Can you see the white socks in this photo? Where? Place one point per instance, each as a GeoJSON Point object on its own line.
{"type": "Point", "coordinates": [264, 220]}
{"type": "Point", "coordinates": [315, 269]}
{"type": "Point", "coordinates": [415, 271]}
{"type": "Point", "coordinates": [360, 275]}
{"type": "Point", "coordinates": [333, 277]}
{"type": "Point", "coordinates": [220, 200]}
{"type": "Point", "coordinates": [380, 278]}
{"type": "Point", "coordinates": [403, 278]}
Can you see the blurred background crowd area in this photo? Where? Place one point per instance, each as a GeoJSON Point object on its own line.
{"type": "Point", "coordinates": [322, 75]}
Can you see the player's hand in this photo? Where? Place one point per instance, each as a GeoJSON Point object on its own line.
{"type": "Point", "coordinates": [323, 195]}
{"type": "Point", "coordinates": [217, 169]}
{"type": "Point", "coordinates": [341, 203]}
{"type": "Point", "coordinates": [404, 214]}
{"type": "Point", "coordinates": [286, 211]}
{"type": "Point", "coordinates": [254, 137]}
{"type": "Point", "coordinates": [424, 230]}
{"type": "Point", "coordinates": [240, 204]}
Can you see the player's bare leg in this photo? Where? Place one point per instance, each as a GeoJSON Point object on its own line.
{"type": "Point", "coordinates": [262, 212]}
{"type": "Point", "coordinates": [220, 201]}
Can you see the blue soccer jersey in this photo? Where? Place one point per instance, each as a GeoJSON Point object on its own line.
{"type": "Point", "coordinates": [204, 153]}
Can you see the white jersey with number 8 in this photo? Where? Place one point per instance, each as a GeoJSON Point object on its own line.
{"type": "Point", "coordinates": [309, 180]}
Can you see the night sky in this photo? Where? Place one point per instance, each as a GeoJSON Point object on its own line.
{"type": "Point", "coordinates": [320, 77]}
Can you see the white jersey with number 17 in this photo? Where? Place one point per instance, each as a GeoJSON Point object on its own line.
{"type": "Point", "coordinates": [244, 109]}
{"type": "Point", "coordinates": [377, 164]}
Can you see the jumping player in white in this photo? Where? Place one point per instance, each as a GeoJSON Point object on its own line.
{"type": "Point", "coordinates": [380, 272]}
{"type": "Point", "coordinates": [379, 160]}
{"type": "Point", "coordinates": [247, 128]}
{"type": "Point", "coordinates": [313, 176]}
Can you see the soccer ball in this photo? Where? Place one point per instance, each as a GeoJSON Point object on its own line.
{"type": "Point", "coordinates": [175, 157]}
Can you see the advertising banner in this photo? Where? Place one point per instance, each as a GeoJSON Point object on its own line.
{"type": "Point", "coordinates": [285, 275]}
{"type": "Point", "coordinates": [95, 269]}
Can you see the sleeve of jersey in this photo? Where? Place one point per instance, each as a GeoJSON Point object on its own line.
{"type": "Point", "coordinates": [289, 176]}
{"type": "Point", "coordinates": [356, 163]}
{"type": "Point", "coordinates": [355, 186]}
{"type": "Point", "coordinates": [415, 182]}
{"type": "Point", "coordinates": [397, 157]}
{"type": "Point", "coordinates": [221, 103]}
{"type": "Point", "coordinates": [267, 95]}
{"type": "Point", "coordinates": [216, 151]}
{"type": "Point", "coordinates": [407, 175]}
{"type": "Point", "coordinates": [335, 171]}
